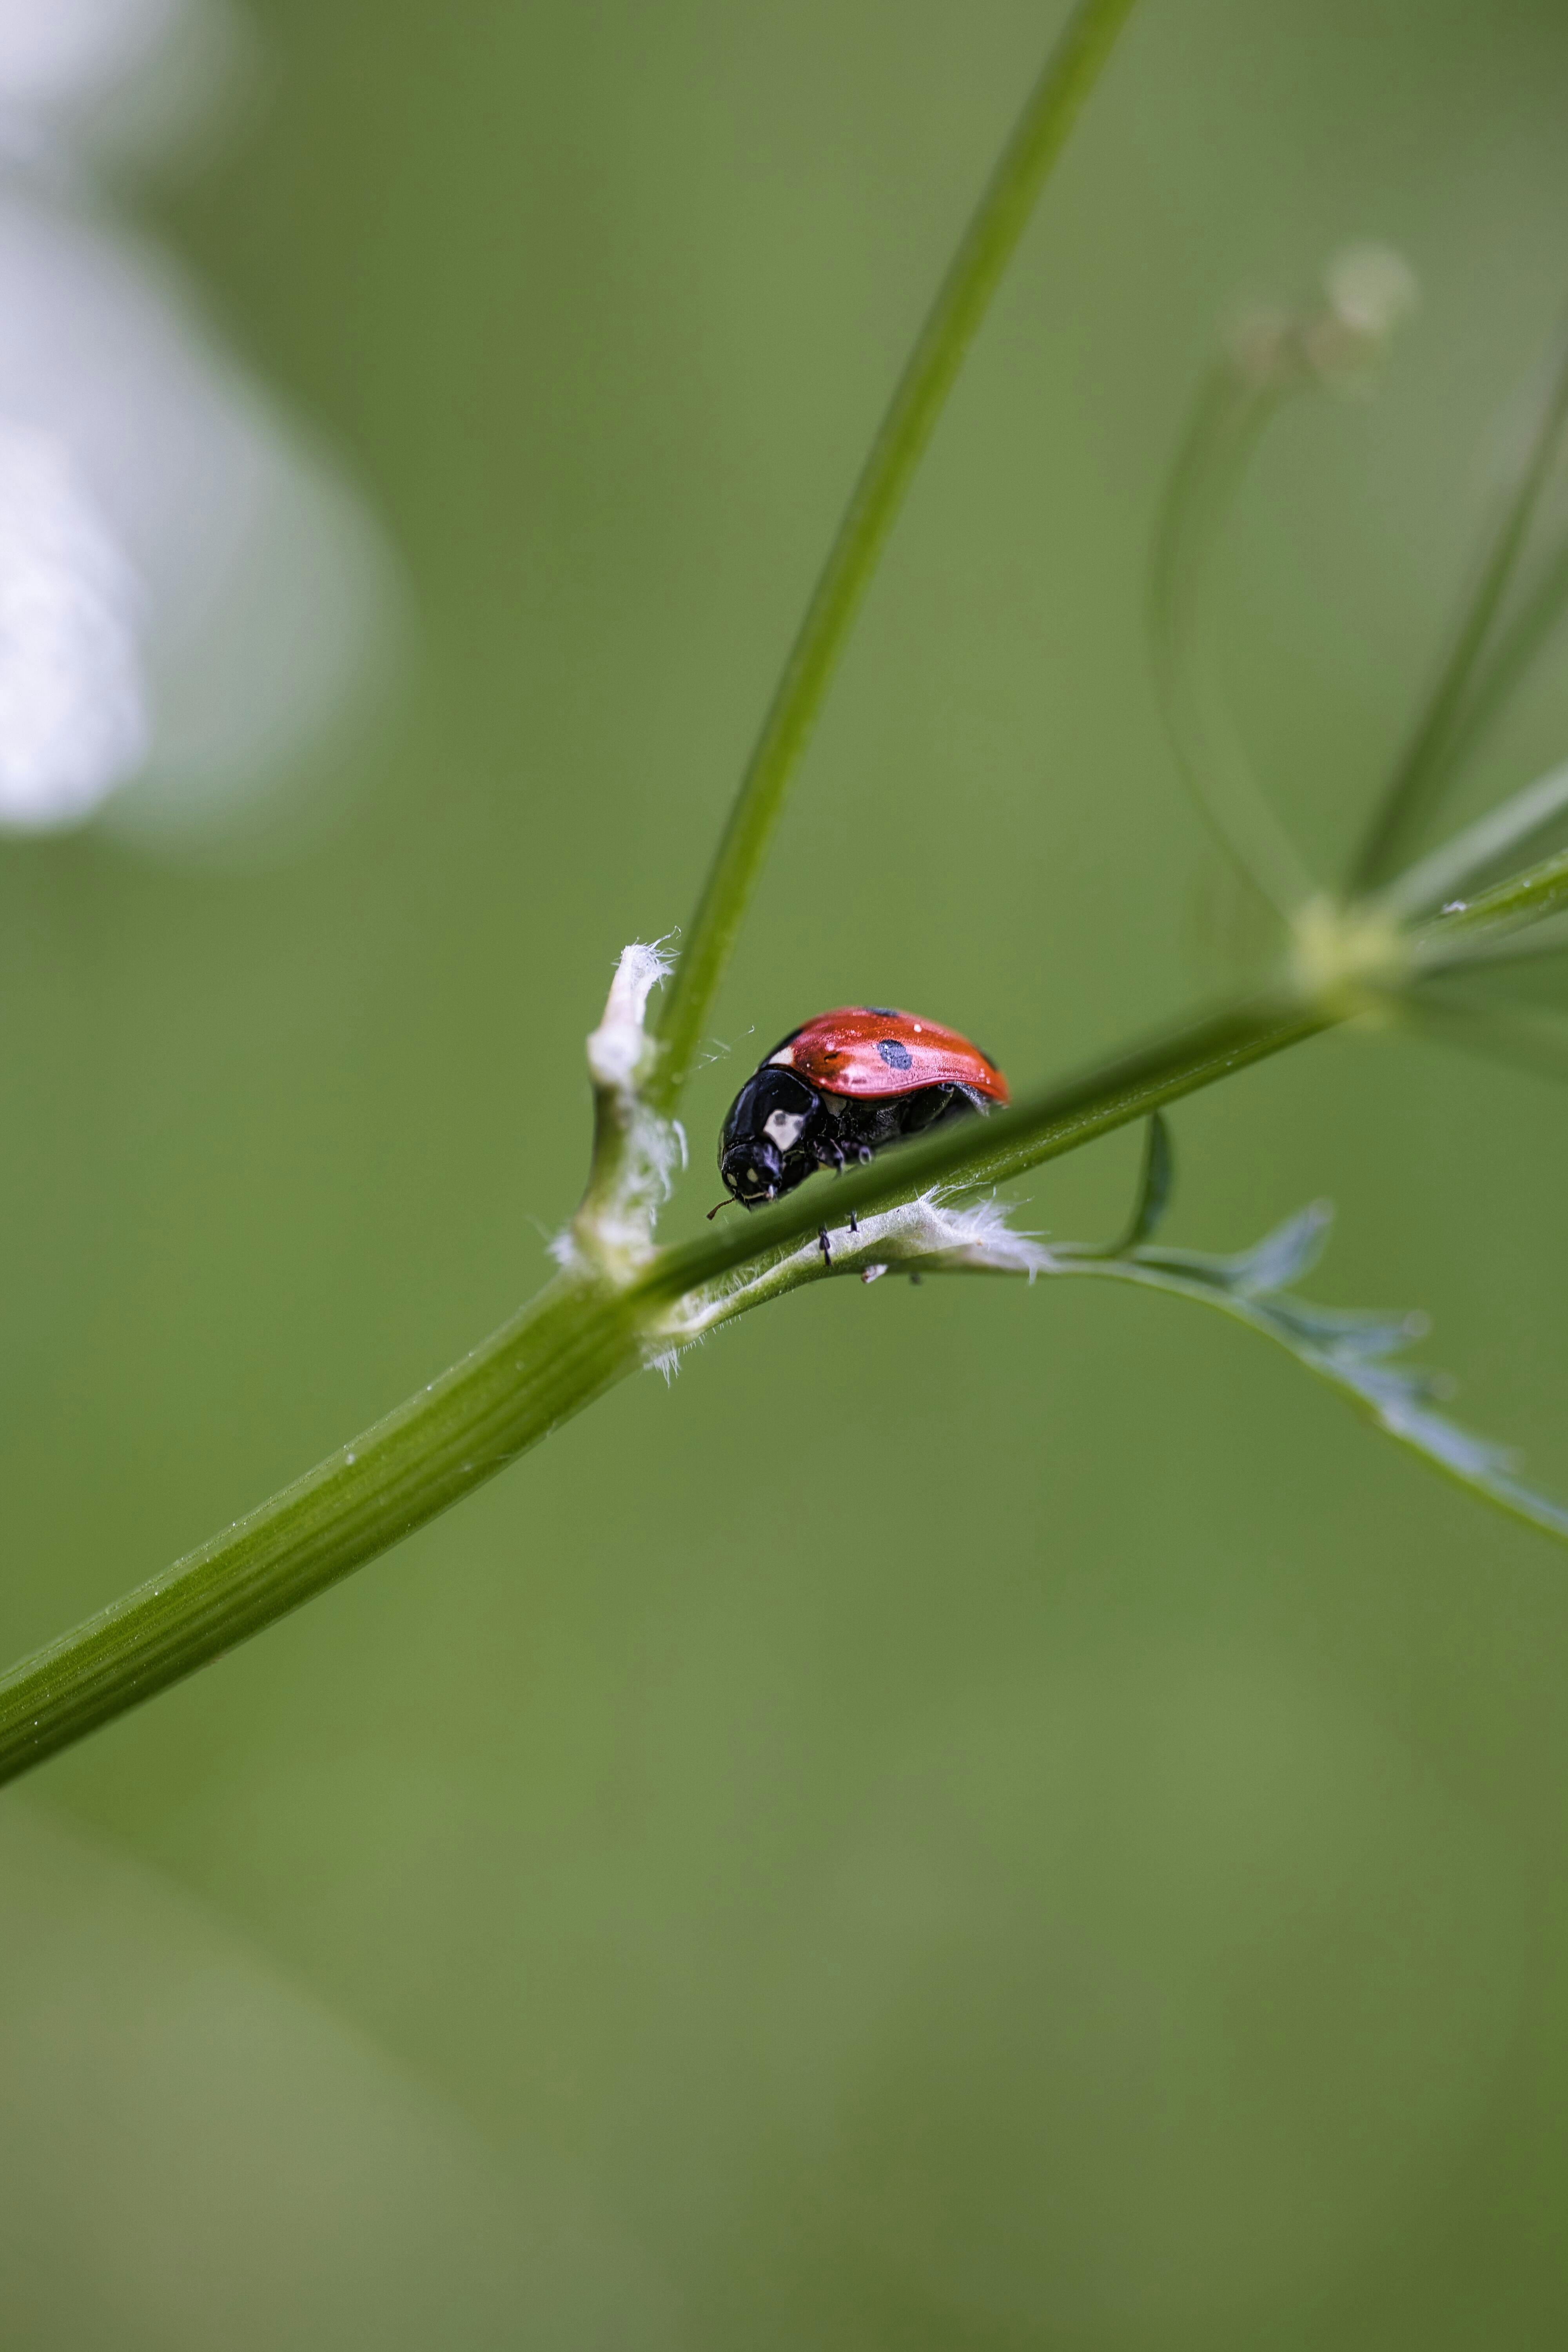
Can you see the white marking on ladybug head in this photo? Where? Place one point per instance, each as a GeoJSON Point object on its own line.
{"type": "Point", "coordinates": [782, 1127]}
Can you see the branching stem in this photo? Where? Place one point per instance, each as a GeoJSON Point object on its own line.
{"type": "Point", "coordinates": [602, 1318]}
{"type": "Point", "coordinates": [574, 1342]}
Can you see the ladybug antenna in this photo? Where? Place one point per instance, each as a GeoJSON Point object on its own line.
{"type": "Point", "coordinates": [727, 1203]}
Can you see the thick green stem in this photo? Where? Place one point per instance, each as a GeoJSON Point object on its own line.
{"type": "Point", "coordinates": [556, 1356]}
{"type": "Point", "coordinates": [928, 378]}
{"type": "Point", "coordinates": [574, 1342]}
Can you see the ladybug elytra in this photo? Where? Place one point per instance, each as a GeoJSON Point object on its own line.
{"type": "Point", "coordinates": [842, 1087]}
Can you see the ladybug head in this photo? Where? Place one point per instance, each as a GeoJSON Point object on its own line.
{"type": "Point", "coordinates": [761, 1152]}
{"type": "Point", "coordinates": [752, 1171]}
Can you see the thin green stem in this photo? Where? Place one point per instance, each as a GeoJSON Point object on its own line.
{"type": "Point", "coordinates": [1429, 756]}
{"type": "Point", "coordinates": [1514, 652]}
{"type": "Point", "coordinates": [933, 365]}
{"type": "Point", "coordinates": [1229, 417]}
{"type": "Point", "coordinates": [574, 1342]}
{"type": "Point", "coordinates": [1156, 1179]}
{"type": "Point", "coordinates": [1465, 932]}
{"type": "Point", "coordinates": [1501, 833]}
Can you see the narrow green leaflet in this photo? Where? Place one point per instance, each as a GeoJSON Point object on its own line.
{"type": "Point", "coordinates": [1352, 1349]}
{"type": "Point", "coordinates": [1156, 1178]}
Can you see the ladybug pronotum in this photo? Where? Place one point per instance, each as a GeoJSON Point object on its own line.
{"type": "Point", "coordinates": [840, 1088]}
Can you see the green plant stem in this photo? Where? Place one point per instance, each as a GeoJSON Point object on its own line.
{"type": "Point", "coordinates": [1443, 876]}
{"type": "Point", "coordinates": [1513, 654]}
{"type": "Point", "coordinates": [1463, 932]}
{"type": "Point", "coordinates": [933, 367]}
{"type": "Point", "coordinates": [555, 1356]}
{"type": "Point", "coordinates": [574, 1342]}
{"type": "Point", "coordinates": [1429, 756]}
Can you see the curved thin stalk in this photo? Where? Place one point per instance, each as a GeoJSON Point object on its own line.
{"type": "Point", "coordinates": [1156, 1179]}
{"type": "Point", "coordinates": [1515, 650]}
{"type": "Point", "coordinates": [1228, 419]}
{"type": "Point", "coordinates": [929, 376]}
{"type": "Point", "coordinates": [1428, 758]}
{"type": "Point", "coordinates": [574, 1342]}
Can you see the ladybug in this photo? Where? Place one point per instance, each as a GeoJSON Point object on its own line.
{"type": "Point", "coordinates": [842, 1087]}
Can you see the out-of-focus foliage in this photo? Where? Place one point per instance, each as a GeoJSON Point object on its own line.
{"type": "Point", "coordinates": [975, 1815]}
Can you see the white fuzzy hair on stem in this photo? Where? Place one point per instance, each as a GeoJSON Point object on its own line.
{"type": "Point", "coordinates": [620, 1048]}
{"type": "Point", "coordinates": [942, 1232]}
{"type": "Point", "coordinates": [636, 1153]}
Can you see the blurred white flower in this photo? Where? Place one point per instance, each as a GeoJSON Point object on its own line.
{"type": "Point", "coordinates": [73, 721]}
{"type": "Point", "coordinates": [57, 55]}
{"type": "Point", "coordinates": [189, 592]}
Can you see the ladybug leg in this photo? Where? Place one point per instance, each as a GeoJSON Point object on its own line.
{"type": "Point", "coordinates": [822, 1244]}
{"type": "Point", "coordinates": [854, 1222]}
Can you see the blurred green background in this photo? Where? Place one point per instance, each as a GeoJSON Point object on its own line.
{"type": "Point", "coordinates": [977, 1817]}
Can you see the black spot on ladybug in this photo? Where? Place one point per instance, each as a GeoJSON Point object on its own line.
{"type": "Point", "coordinates": [897, 1056]}
{"type": "Point", "coordinates": [883, 1012]}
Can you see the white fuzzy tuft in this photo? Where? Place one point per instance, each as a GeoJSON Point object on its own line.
{"type": "Point", "coordinates": [617, 1046]}
{"type": "Point", "coordinates": [636, 1153]}
{"type": "Point", "coordinates": [941, 1233]}
{"type": "Point", "coordinates": [975, 1232]}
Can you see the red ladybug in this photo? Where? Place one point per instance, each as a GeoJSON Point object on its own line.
{"type": "Point", "coordinates": [841, 1087]}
